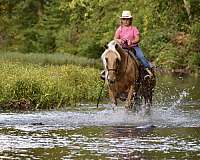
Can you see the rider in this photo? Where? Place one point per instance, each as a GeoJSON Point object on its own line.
{"type": "Point", "coordinates": [128, 34]}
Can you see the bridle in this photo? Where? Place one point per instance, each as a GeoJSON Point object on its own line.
{"type": "Point", "coordinates": [116, 70]}
{"type": "Point", "coordinates": [112, 69]}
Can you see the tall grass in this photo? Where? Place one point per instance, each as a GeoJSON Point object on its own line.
{"type": "Point", "coordinates": [47, 86]}
{"type": "Point", "coordinates": [45, 59]}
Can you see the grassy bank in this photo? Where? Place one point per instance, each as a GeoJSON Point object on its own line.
{"type": "Point", "coordinates": [33, 86]}
{"type": "Point", "coordinates": [49, 59]}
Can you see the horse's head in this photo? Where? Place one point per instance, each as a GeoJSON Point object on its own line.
{"type": "Point", "coordinates": [111, 60]}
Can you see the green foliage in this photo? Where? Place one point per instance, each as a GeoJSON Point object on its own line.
{"type": "Point", "coordinates": [83, 27]}
{"type": "Point", "coordinates": [90, 45]}
{"type": "Point", "coordinates": [154, 42]}
{"type": "Point", "coordinates": [194, 62]}
{"type": "Point", "coordinates": [195, 34]}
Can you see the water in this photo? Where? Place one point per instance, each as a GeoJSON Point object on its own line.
{"type": "Point", "coordinates": [170, 131]}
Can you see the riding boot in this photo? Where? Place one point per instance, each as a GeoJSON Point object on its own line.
{"type": "Point", "coordinates": [149, 72]}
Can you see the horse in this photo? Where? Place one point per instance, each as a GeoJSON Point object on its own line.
{"type": "Point", "coordinates": [121, 73]}
{"type": "Point", "coordinates": [124, 76]}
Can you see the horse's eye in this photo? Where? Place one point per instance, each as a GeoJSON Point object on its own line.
{"type": "Point", "coordinates": [117, 61]}
{"type": "Point", "coordinates": [106, 59]}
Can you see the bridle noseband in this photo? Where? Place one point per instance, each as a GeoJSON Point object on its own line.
{"type": "Point", "coordinates": [115, 70]}
{"type": "Point", "coordinates": [112, 69]}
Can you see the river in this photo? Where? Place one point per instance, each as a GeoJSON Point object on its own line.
{"type": "Point", "coordinates": [170, 131]}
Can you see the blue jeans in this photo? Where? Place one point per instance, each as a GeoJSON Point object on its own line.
{"type": "Point", "coordinates": [139, 54]}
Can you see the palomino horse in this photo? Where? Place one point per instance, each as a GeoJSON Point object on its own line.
{"type": "Point", "coordinates": [125, 77]}
{"type": "Point", "coordinates": [121, 73]}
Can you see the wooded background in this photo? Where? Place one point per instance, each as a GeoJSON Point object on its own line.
{"type": "Point", "coordinates": [170, 29]}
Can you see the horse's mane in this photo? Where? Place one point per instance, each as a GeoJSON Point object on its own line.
{"type": "Point", "coordinates": [111, 47]}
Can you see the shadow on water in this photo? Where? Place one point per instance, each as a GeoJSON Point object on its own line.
{"type": "Point", "coordinates": [170, 131]}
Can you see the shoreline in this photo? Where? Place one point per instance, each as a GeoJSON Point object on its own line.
{"type": "Point", "coordinates": [178, 72]}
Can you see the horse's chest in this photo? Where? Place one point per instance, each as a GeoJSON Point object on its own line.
{"type": "Point", "coordinates": [123, 85]}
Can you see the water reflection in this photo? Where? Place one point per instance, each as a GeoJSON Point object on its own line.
{"type": "Point", "coordinates": [128, 132]}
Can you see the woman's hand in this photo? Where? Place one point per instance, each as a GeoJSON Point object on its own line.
{"type": "Point", "coordinates": [120, 41]}
{"type": "Point", "coordinates": [129, 43]}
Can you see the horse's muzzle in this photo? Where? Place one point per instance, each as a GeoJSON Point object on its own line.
{"type": "Point", "coordinates": [111, 77]}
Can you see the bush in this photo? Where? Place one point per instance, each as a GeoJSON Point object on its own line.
{"type": "Point", "coordinates": [170, 57]}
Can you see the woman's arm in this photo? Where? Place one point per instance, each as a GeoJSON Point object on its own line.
{"type": "Point", "coordinates": [117, 38]}
{"type": "Point", "coordinates": [136, 36]}
{"type": "Point", "coordinates": [136, 39]}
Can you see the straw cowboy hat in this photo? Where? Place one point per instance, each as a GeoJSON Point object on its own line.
{"type": "Point", "coordinates": [126, 14]}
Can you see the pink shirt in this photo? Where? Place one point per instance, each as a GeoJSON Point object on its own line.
{"type": "Point", "coordinates": [126, 33]}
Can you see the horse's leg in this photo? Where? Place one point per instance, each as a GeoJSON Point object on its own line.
{"type": "Point", "coordinates": [113, 98]}
{"type": "Point", "coordinates": [147, 99]}
{"type": "Point", "coordinates": [130, 98]}
{"type": "Point", "coordinates": [150, 97]}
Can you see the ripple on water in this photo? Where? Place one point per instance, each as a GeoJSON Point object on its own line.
{"type": "Point", "coordinates": [107, 141]}
{"type": "Point", "coordinates": [169, 131]}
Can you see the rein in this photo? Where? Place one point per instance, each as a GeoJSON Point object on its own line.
{"type": "Point", "coordinates": [126, 65]}
{"type": "Point", "coordinates": [100, 94]}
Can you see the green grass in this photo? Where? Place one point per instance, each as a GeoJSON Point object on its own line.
{"type": "Point", "coordinates": [47, 86]}
{"type": "Point", "coordinates": [45, 59]}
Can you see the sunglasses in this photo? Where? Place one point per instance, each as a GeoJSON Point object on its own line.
{"type": "Point", "coordinates": [125, 19]}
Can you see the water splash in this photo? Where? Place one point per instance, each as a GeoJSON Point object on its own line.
{"type": "Point", "coordinates": [180, 99]}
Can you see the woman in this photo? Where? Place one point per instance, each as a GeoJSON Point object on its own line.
{"type": "Point", "coordinates": [128, 34]}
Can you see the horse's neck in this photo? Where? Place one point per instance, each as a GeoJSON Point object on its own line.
{"type": "Point", "coordinates": [127, 61]}
{"type": "Point", "coordinates": [122, 52]}
{"type": "Point", "coordinates": [123, 64]}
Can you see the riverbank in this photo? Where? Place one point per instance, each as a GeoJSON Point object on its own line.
{"type": "Point", "coordinates": [30, 86]}
{"type": "Point", "coordinates": [42, 81]}
{"type": "Point", "coordinates": [178, 72]}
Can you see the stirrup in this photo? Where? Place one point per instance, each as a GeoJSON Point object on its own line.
{"type": "Point", "coordinates": [149, 72]}
{"type": "Point", "coordinates": [147, 76]}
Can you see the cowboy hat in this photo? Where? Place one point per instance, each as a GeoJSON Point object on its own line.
{"type": "Point", "coordinates": [126, 14]}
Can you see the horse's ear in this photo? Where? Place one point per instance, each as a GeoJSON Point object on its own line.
{"type": "Point", "coordinates": [117, 46]}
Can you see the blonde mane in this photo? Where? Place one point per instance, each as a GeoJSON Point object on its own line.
{"type": "Point", "coordinates": [111, 46]}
